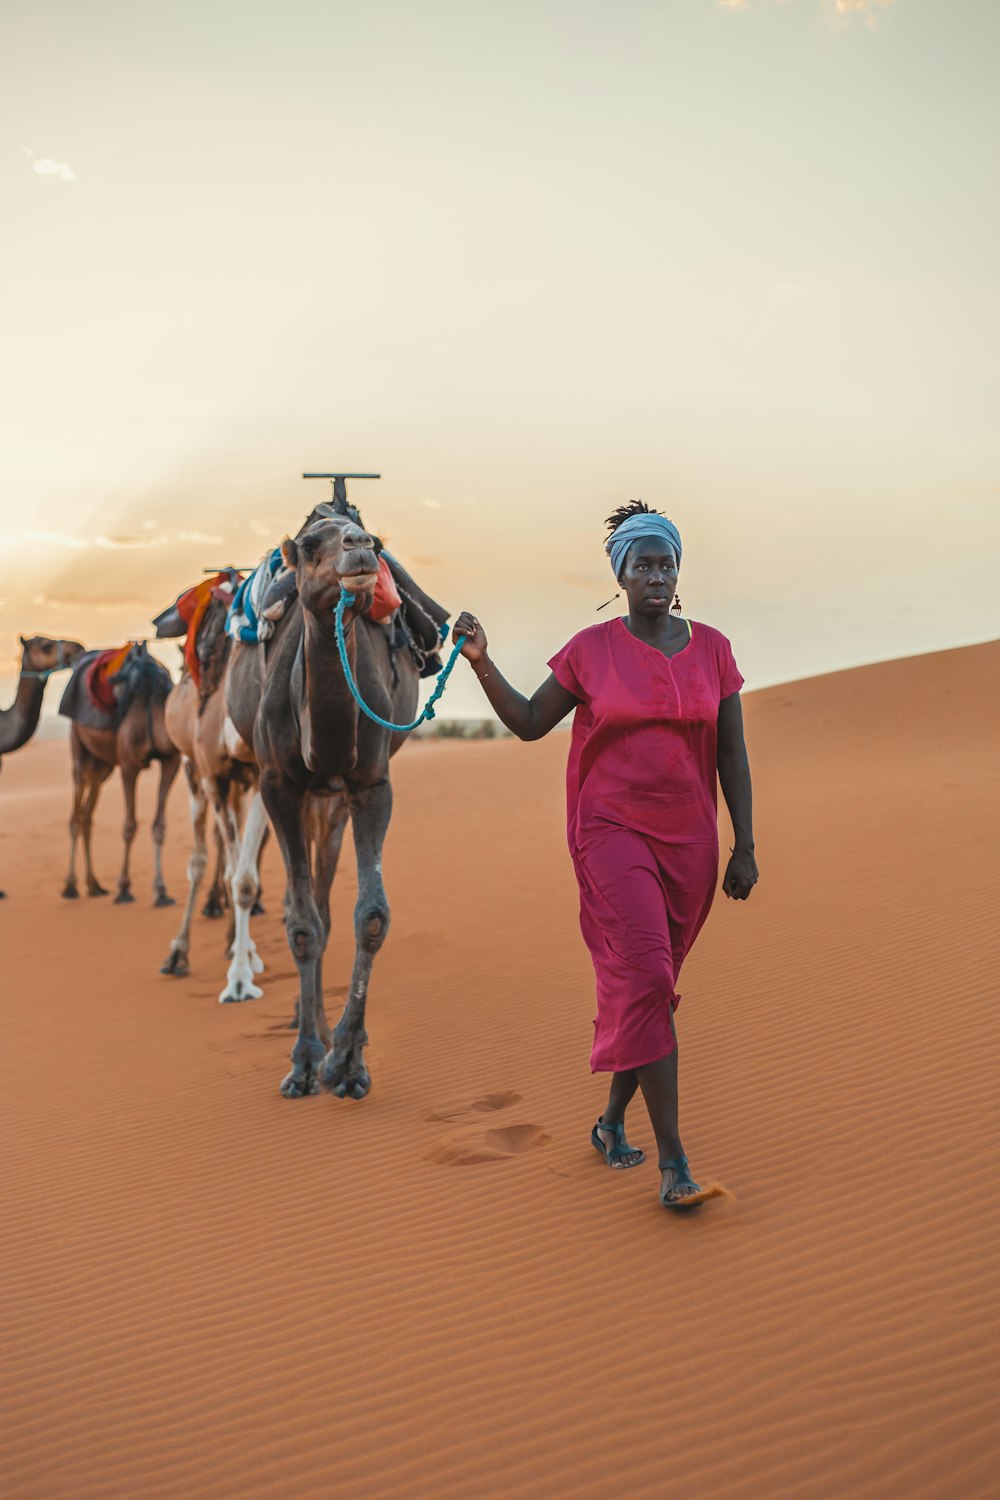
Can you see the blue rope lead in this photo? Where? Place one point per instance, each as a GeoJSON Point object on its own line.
{"type": "Point", "coordinates": [344, 602]}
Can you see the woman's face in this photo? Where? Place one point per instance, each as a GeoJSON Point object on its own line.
{"type": "Point", "coordinates": [649, 576]}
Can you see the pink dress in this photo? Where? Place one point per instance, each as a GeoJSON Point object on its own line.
{"type": "Point", "coordinates": [641, 802]}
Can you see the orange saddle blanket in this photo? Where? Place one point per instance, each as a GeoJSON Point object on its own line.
{"type": "Point", "coordinates": [193, 607]}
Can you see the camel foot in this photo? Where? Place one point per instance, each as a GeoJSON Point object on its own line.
{"type": "Point", "coordinates": [344, 1073]}
{"type": "Point", "coordinates": [123, 898]}
{"type": "Point", "coordinates": [162, 899]}
{"type": "Point", "coordinates": [304, 1078]}
{"type": "Point", "coordinates": [176, 963]}
{"type": "Point", "coordinates": [239, 989]}
{"type": "Point", "coordinates": [213, 907]}
{"type": "Point", "coordinates": [257, 910]}
{"type": "Point", "coordinates": [70, 892]}
{"type": "Point", "coordinates": [95, 888]}
{"type": "Point", "coordinates": [3, 895]}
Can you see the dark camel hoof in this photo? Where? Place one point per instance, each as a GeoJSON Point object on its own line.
{"type": "Point", "coordinates": [213, 908]}
{"type": "Point", "coordinates": [307, 1057]}
{"type": "Point", "coordinates": [257, 910]}
{"type": "Point", "coordinates": [176, 963]}
{"type": "Point", "coordinates": [70, 893]}
{"type": "Point", "coordinates": [298, 1085]}
{"type": "Point", "coordinates": [162, 899]}
{"type": "Point", "coordinates": [123, 898]}
{"type": "Point", "coordinates": [97, 890]}
{"type": "Point", "coordinates": [346, 1079]}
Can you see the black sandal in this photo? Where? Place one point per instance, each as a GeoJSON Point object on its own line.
{"type": "Point", "coordinates": [679, 1165]}
{"type": "Point", "coordinates": [614, 1154]}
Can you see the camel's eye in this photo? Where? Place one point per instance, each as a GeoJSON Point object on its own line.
{"type": "Point", "coordinates": [309, 547]}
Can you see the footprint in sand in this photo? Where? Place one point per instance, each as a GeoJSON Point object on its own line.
{"type": "Point", "coordinates": [470, 1109]}
{"type": "Point", "coordinates": [469, 1147]}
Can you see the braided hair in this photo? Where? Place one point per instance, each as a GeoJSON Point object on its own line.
{"type": "Point", "coordinates": [625, 513]}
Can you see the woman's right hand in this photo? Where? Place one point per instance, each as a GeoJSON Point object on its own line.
{"type": "Point", "coordinates": [475, 646]}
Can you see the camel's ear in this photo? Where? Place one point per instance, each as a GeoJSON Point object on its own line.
{"type": "Point", "coordinates": [290, 553]}
{"type": "Point", "coordinates": [23, 639]}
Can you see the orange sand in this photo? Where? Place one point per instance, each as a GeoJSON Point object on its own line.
{"type": "Point", "coordinates": [212, 1291]}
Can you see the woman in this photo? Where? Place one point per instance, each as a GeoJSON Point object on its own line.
{"type": "Point", "coordinates": [657, 715]}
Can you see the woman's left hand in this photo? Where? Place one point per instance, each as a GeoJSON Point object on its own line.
{"type": "Point", "coordinates": [741, 875]}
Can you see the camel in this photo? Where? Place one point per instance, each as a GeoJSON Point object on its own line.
{"type": "Point", "coordinates": [320, 762]}
{"type": "Point", "coordinates": [40, 657]}
{"type": "Point", "coordinates": [218, 775]}
{"type": "Point", "coordinates": [130, 735]}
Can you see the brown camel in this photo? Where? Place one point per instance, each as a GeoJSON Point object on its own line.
{"type": "Point", "coordinates": [218, 778]}
{"type": "Point", "coordinates": [320, 762]}
{"type": "Point", "coordinates": [40, 657]}
{"type": "Point", "coordinates": [131, 734]}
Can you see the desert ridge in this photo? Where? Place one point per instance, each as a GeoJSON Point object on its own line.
{"type": "Point", "coordinates": [439, 1291]}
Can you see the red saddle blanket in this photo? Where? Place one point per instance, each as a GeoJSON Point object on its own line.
{"type": "Point", "coordinates": [99, 674]}
{"type": "Point", "coordinates": [192, 607]}
{"type": "Point", "coordinates": [386, 600]}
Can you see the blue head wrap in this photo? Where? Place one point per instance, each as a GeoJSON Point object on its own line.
{"type": "Point", "coordinates": [631, 530]}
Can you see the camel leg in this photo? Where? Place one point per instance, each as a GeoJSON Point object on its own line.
{"type": "Point", "coordinates": [130, 775]}
{"type": "Point", "coordinates": [285, 804]}
{"type": "Point", "coordinates": [246, 962]}
{"type": "Point", "coordinates": [169, 767]}
{"type": "Point", "coordinates": [96, 774]}
{"type": "Point", "coordinates": [344, 1072]}
{"type": "Point", "coordinates": [176, 961]}
{"type": "Point", "coordinates": [257, 910]}
{"type": "Point", "coordinates": [215, 901]}
{"type": "Point", "coordinates": [71, 890]}
{"type": "Point", "coordinates": [332, 822]}
{"type": "Point", "coordinates": [325, 819]}
{"type": "Point", "coordinates": [228, 828]}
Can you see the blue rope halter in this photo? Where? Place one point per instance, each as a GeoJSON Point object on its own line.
{"type": "Point", "coordinates": [60, 666]}
{"type": "Point", "coordinates": [344, 602]}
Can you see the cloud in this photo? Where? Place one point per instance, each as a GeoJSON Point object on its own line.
{"type": "Point", "coordinates": [128, 541]}
{"type": "Point", "coordinates": [57, 538]}
{"type": "Point", "coordinates": [433, 504]}
{"type": "Point", "coordinates": [200, 536]}
{"type": "Point", "coordinates": [266, 527]}
{"type": "Point", "coordinates": [46, 167]}
{"type": "Point", "coordinates": [837, 12]}
{"type": "Point", "coordinates": [78, 602]}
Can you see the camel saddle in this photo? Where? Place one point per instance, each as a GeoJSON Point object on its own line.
{"type": "Point", "coordinates": [89, 697]}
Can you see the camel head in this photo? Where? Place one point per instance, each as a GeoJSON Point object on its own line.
{"type": "Point", "coordinates": [330, 555]}
{"type": "Point", "coordinates": [39, 653]}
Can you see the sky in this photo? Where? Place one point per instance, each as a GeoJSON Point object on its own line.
{"type": "Point", "coordinates": [527, 261]}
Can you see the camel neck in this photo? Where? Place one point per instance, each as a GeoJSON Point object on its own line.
{"type": "Point", "coordinates": [19, 721]}
{"type": "Point", "coordinates": [329, 718]}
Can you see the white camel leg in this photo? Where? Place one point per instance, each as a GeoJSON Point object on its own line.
{"type": "Point", "coordinates": [246, 962]}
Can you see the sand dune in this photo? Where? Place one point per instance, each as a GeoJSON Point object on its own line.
{"type": "Point", "coordinates": [211, 1291]}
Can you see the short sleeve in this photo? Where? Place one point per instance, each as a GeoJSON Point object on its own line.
{"type": "Point", "coordinates": [730, 677]}
{"type": "Point", "coordinates": [565, 665]}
